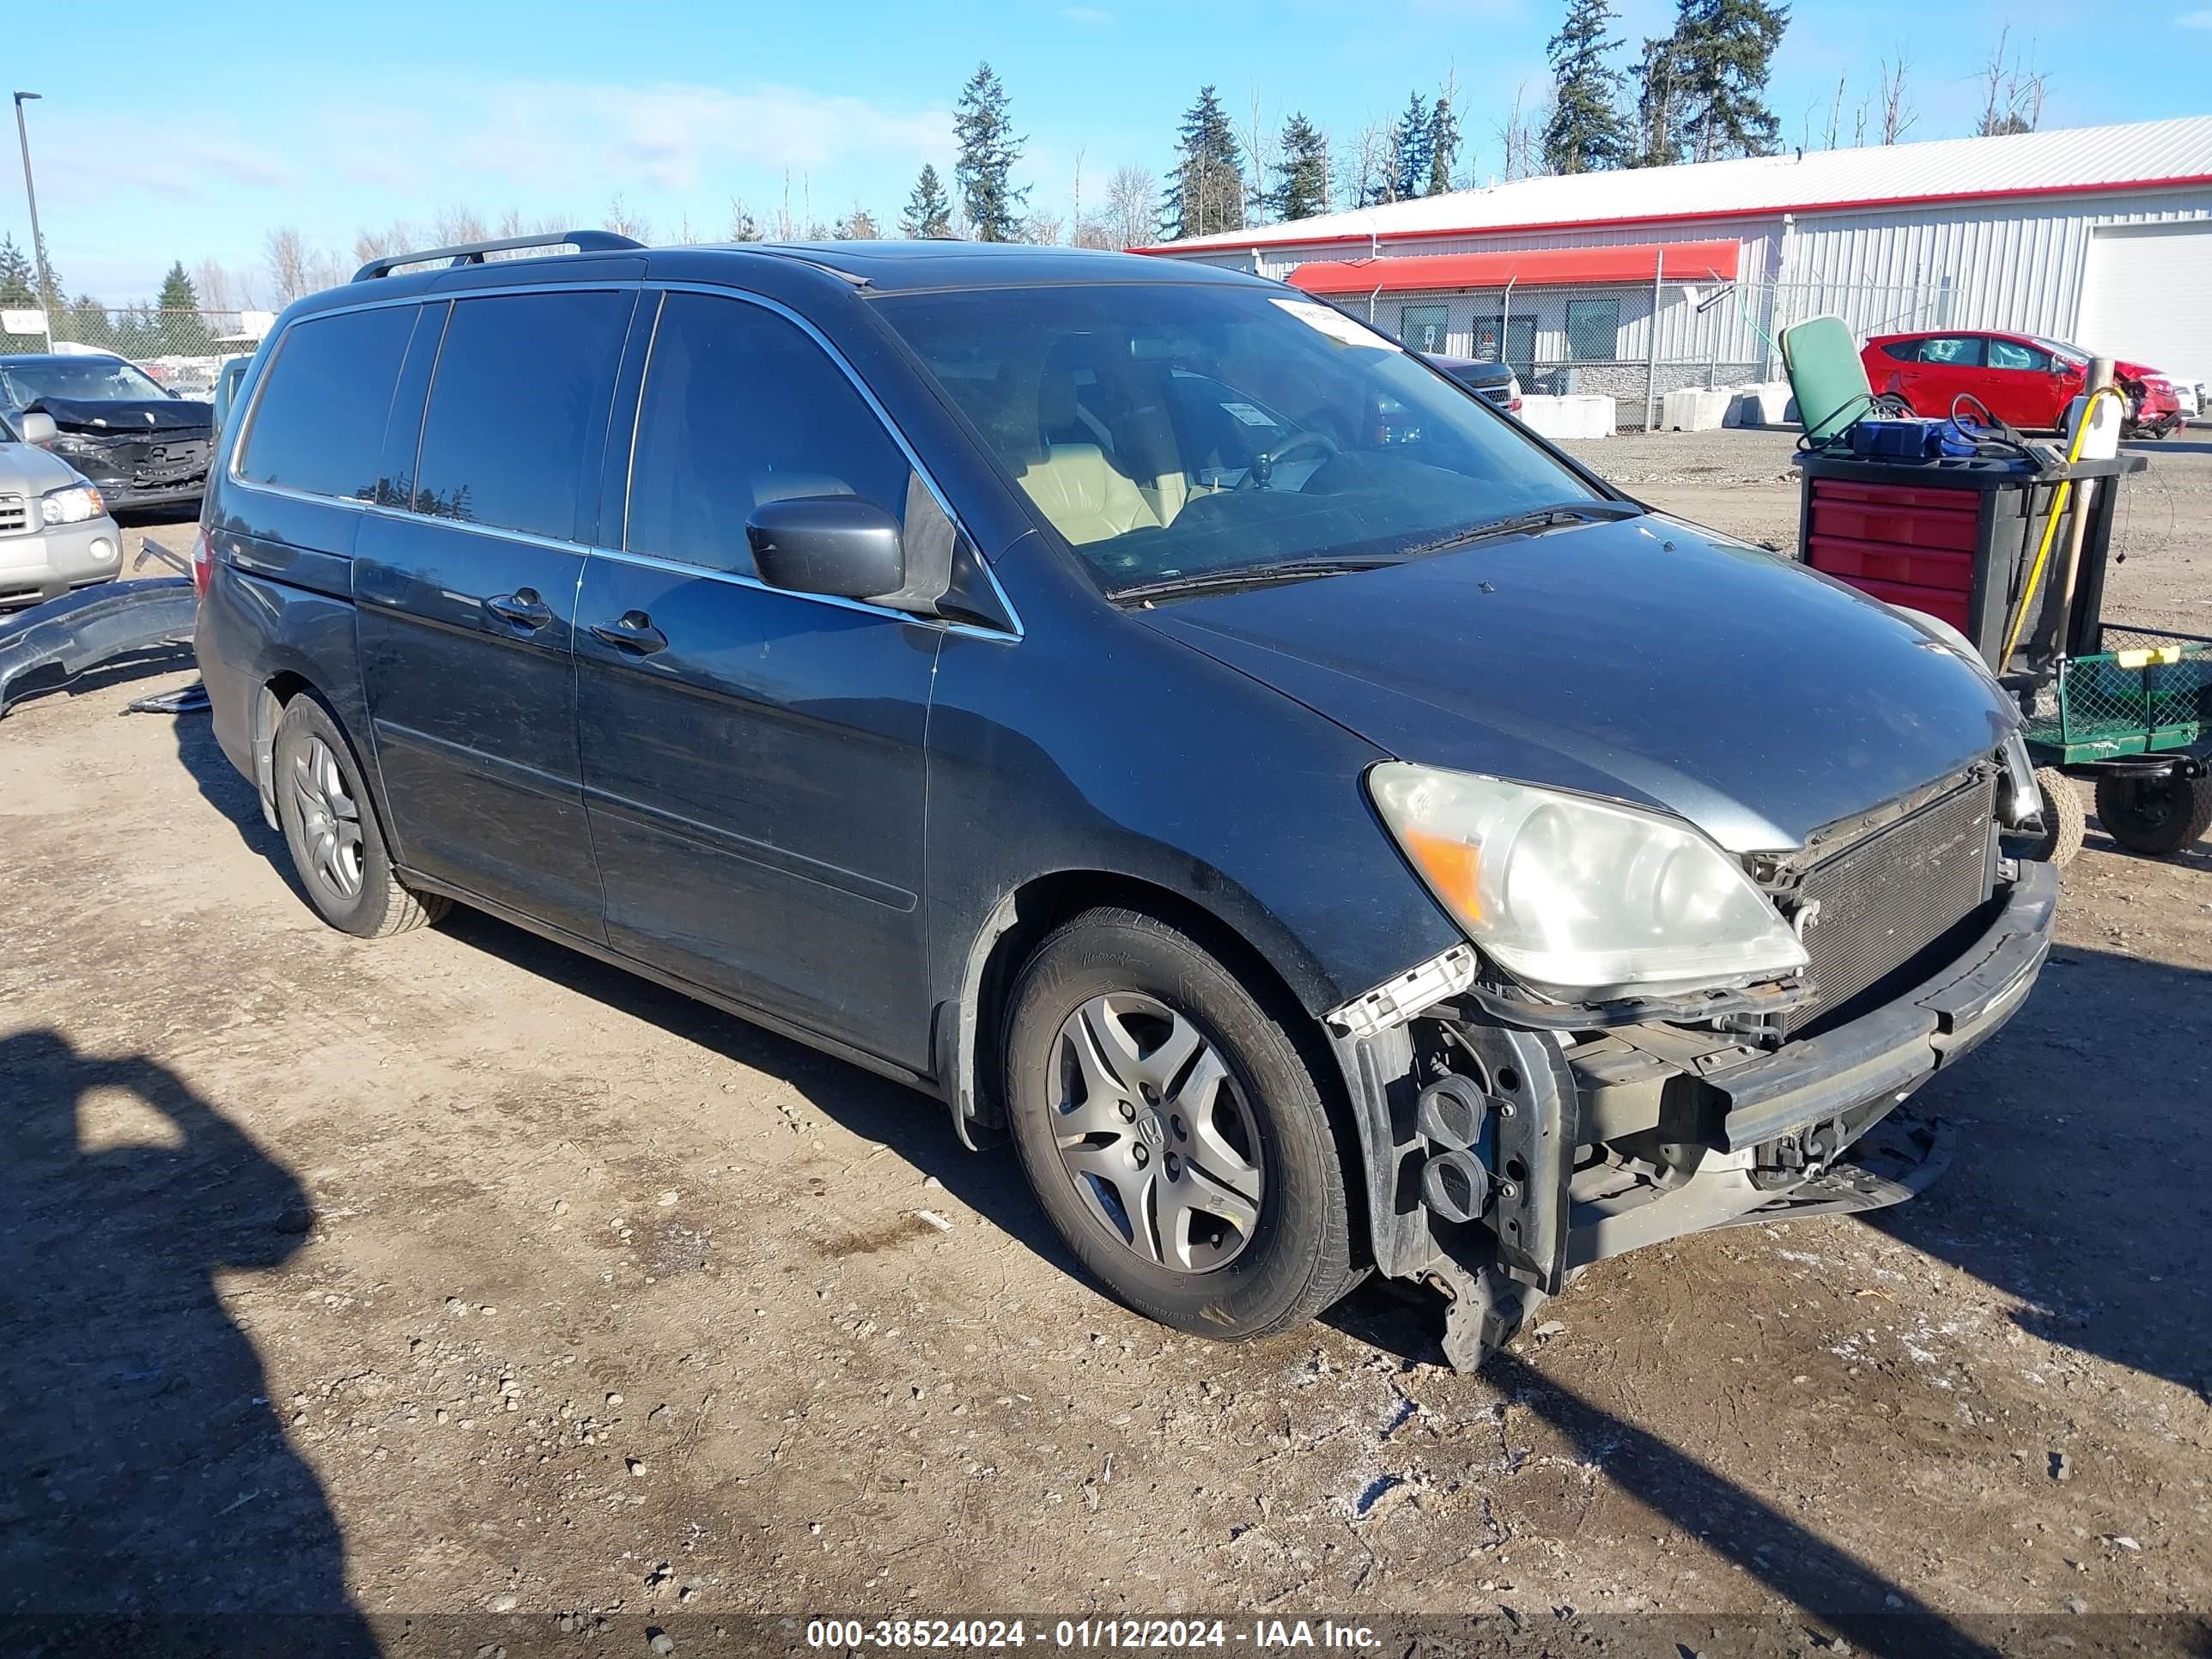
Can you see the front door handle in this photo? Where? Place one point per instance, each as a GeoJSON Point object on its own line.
{"type": "Point", "coordinates": [522, 607]}
{"type": "Point", "coordinates": [632, 631]}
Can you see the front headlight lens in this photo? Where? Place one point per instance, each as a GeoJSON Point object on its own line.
{"type": "Point", "coordinates": [72, 504]}
{"type": "Point", "coordinates": [1579, 896]}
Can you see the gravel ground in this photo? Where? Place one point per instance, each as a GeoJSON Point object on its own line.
{"type": "Point", "coordinates": [458, 1275]}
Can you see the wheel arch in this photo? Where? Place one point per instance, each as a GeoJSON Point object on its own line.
{"type": "Point", "coordinates": [1279, 972]}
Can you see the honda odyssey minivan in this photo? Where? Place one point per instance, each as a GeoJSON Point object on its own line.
{"type": "Point", "coordinates": [1319, 842]}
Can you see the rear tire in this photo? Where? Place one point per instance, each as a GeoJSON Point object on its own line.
{"type": "Point", "coordinates": [330, 828]}
{"type": "Point", "coordinates": [2155, 816]}
{"type": "Point", "coordinates": [2064, 823]}
{"type": "Point", "coordinates": [1173, 1132]}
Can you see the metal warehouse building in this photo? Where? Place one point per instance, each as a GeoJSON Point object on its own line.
{"type": "Point", "coordinates": [1637, 283]}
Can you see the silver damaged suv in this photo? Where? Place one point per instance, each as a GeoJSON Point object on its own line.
{"type": "Point", "coordinates": [55, 531]}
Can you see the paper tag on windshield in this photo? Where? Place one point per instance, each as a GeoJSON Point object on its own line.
{"type": "Point", "coordinates": [1337, 325]}
{"type": "Point", "coordinates": [1248, 415]}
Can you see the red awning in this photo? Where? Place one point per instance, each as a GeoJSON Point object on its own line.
{"type": "Point", "coordinates": [1629, 262]}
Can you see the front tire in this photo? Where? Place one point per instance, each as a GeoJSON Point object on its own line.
{"type": "Point", "coordinates": [330, 828]}
{"type": "Point", "coordinates": [2153, 814]}
{"type": "Point", "coordinates": [1173, 1132]}
{"type": "Point", "coordinates": [2064, 823]}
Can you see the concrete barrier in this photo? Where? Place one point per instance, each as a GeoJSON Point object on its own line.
{"type": "Point", "coordinates": [1578, 416]}
{"type": "Point", "coordinates": [1695, 409]}
{"type": "Point", "coordinates": [1762, 403]}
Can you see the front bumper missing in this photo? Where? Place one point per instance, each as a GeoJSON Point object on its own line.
{"type": "Point", "coordinates": [1832, 1101]}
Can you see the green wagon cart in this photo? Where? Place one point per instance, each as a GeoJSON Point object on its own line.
{"type": "Point", "coordinates": [2135, 717]}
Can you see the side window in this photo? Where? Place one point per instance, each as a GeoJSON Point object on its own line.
{"type": "Point", "coordinates": [1904, 351]}
{"type": "Point", "coordinates": [318, 423]}
{"type": "Point", "coordinates": [2004, 354]}
{"type": "Point", "coordinates": [517, 400]}
{"type": "Point", "coordinates": [741, 407]}
{"type": "Point", "coordinates": [1593, 331]}
{"type": "Point", "coordinates": [1954, 350]}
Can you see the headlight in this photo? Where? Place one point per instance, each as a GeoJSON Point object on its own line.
{"type": "Point", "coordinates": [1580, 895]}
{"type": "Point", "coordinates": [72, 505]}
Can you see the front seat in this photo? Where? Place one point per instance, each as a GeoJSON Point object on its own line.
{"type": "Point", "coordinates": [1085, 495]}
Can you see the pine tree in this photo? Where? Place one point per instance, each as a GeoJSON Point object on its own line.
{"type": "Point", "coordinates": [1704, 85]}
{"type": "Point", "coordinates": [1660, 98]}
{"type": "Point", "coordinates": [928, 210]}
{"type": "Point", "coordinates": [1409, 152]}
{"type": "Point", "coordinates": [988, 150]}
{"type": "Point", "coordinates": [1443, 145]}
{"type": "Point", "coordinates": [178, 293]}
{"type": "Point", "coordinates": [1302, 175]}
{"type": "Point", "coordinates": [1587, 132]}
{"type": "Point", "coordinates": [1206, 191]}
{"type": "Point", "coordinates": [18, 282]}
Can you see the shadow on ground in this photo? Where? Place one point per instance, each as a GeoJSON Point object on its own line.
{"type": "Point", "coordinates": [144, 1474]}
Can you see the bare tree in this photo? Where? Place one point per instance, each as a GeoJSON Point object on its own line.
{"type": "Point", "coordinates": [1131, 196]}
{"type": "Point", "coordinates": [456, 226]}
{"type": "Point", "coordinates": [743, 227]}
{"type": "Point", "coordinates": [620, 220]}
{"type": "Point", "coordinates": [2012, 90]}
{"type": "Point", "coordinates": [285, 253]}
{"type": "Point", "coordinates": [1367, 170]}
{"type": "Point", "coordinates": [1259, 152]}
{"type": "Point", "coordinates": [857, 225]}
{"type": "Point", "coordinates": [1042, 227]}
{"type": "Point", "coordinates": [1520, 136]}
{"type": "Point", "coordinates": [217, 292]}
{"type": "Point", "coordinates": [1898, 115]}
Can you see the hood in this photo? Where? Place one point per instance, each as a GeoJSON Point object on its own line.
{"type": "Point", "coordinates": [31, 471]}
{"type": "Point", "coordinates": [123, 417]}
{"type": "Point", "coordinates": [1645, 660]}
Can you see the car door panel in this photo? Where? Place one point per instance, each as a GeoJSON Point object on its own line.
{"type": "Point", "coordinates": [753, 761]}
{"type": "Point", "coordinates": [757, 791]}
{"type": "Point", "coordinates": [474, 715]}
{"type": "Point", "coordinates": [465, 577]}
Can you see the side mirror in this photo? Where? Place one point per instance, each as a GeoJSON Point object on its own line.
{"type": "Point", "coordinates": [836, 545]}
{"type": "Point", "coordinates": [37, 427]}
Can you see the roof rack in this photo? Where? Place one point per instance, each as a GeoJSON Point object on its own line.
{"type": "Point", "coordinates": [472, 253]}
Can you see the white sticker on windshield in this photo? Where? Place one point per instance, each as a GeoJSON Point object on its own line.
{"type": "Point", "coordinates": [1337, 325]}
{"type": "Point", "coordinates": [1249, 416]}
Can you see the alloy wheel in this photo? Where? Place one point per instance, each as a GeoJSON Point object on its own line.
{"type": "Point", "coordinates": [1155, 1133]}
{"type": "Point", "coordinates": [330, 819]}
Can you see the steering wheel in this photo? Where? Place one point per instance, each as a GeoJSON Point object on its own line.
{"type": "Point", "coordinates": [1263, 469]}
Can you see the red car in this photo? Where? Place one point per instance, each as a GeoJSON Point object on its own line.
{"type": "Point", "coordinates": [2023, 378]}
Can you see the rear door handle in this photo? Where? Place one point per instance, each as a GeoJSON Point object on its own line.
{"type": "Point", "coordinates": [522, 607]}
{"type": "Point", "coordinates": [632, 631]}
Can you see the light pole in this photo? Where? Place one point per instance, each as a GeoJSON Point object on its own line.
{"type": "Point", "coordinates": [31, 195]}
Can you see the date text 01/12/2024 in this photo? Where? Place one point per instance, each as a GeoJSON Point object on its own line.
{"type": "Point", "coordinates": [1261, 1635]}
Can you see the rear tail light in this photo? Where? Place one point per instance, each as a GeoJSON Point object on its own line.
{"type": "Point", "coordinates": [203, 564]}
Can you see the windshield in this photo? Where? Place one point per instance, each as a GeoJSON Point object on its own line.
{"type": "Point", "coordinates": [2071, 354]}
{"type": "Point", "coordinates": [87, 379]}
{"type": "Point", "coordinates": [1173, 430]}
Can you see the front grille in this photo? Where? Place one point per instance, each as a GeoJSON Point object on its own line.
{"type": "Point", "coordinates": [15, 515]}
{"type": "Point", "coordinates": [1885, 899]}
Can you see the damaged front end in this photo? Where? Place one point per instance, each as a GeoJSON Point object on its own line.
{"type": "Point", "coordinates": [1513, 1139]}
{"type": "Point", "coordinates": [140, 454]}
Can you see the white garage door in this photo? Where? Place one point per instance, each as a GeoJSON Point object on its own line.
{"type": "Point", "coordinates": [2146, 297]}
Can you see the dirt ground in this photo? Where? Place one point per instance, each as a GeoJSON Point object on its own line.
{"type": "Point", "coordinates": [459, 1275]}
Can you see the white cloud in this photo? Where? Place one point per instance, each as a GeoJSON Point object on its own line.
{"type": "Point", "coordinates": [1090, 17]}
{"type": "Point", "coordinates": [2195, 19]}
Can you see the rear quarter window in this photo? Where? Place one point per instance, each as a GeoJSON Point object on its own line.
{"type": "Point", "coordinates": [318, 424]}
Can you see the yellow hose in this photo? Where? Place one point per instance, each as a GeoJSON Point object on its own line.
{"type": "Point", "coordinates": [2050, 524]}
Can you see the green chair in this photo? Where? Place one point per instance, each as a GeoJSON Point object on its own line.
{"type": "Point", "coordinates": [1826, 376]}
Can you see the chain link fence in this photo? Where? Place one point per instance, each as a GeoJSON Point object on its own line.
{"type": "Point", "coordinates": [185, 349]}
{"type": "Point", "coordinates": [1635, 343]}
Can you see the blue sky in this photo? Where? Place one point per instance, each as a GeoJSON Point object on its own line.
{"type": "Point", "coordinates": [190, 135]}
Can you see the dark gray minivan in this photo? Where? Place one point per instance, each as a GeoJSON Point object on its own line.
{"type": "Point", "coordinates": [1322, 825]}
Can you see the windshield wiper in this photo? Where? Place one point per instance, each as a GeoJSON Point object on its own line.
{"type": "Point", "coordinates": [1536, 518]}
{"type": "Point", "coordinates": [1248, 575]}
